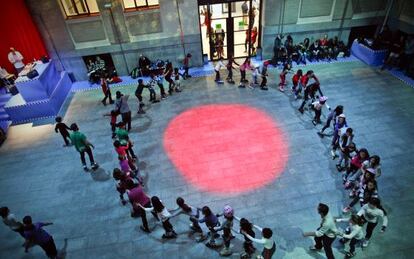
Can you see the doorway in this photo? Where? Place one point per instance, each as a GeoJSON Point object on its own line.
{"type": "Point", "coordinates": [229, 28]}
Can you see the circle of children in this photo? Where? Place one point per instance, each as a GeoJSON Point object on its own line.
{"type": "Point", "coordinates": [359, 173]}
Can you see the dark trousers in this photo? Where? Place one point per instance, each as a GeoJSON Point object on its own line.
{"type": "Point", "coordinates": [65, 137]}
{"type": "Point", "coordinates": [144, 216]}
{"type": "Point", "coordinates": [50, 248]}
{"type": "Point", "coordinates": [217, 75]}
{"type": "Point", "coordinates": [167, 226]}
{"type": "Point", "coordinates": [264, 82]}
{"type": "Point", "coordinates": [317, 117]}
{"type": "Point", "coordinates": [186, 72]}
{"type": "Point", "coordinates": [87, 150]}
{"type": "Point", "coordinates": [327, 124]}
{"type": "Point", "coordinates": [243, 76]}
{"type": "Point", "coordinates": [170, 84]}
{"type": "Point", "coordinates": [107, 95]}
{"type": "Point", "coordinates": [305, 98]}
{"type": "Point", "coordinates": [196, 225]}
{"type": "Point", "coordinates": [370, 229]}
{"type": "Point", "coordinates": [113, 127]}
{"type": "Point", "coordinates": [325, 242]}
{"type": "Point", "coordinates": [352, 245]}
{"type": "Point", "coordinates": [230, 74]}
{"type": "Point", "coordinates": [153, 96]}
{"type": "Point", "coordinates": [126, 118]}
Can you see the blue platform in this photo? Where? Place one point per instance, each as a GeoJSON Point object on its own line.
{"type": "Point", "coordinates": [367, 55]}
{"type": "Point", "coordinates": [39, 98]}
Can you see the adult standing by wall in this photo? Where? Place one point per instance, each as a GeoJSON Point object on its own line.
{"type": "Point", "coordinates": [16, 58]}
{"type": "Point", "coordinates": [121, 105]}
{"type": "Point", "coordinates": [325, 235]}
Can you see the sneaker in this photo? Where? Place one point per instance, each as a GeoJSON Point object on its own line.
{"type": "Point", "coordinates": [281, 89]}
{"type": "Point", "coordinates": [333, 154]}
{"type": "Point", "coordinates": [314, 122]}
{"type": "Point", "coordinates": [351, 194]}
{"type": "Point", "coordinates": [141, 112]}
{"type": "Point", "coordinates": [301, 110]}
{"type": "Point", "coordinates": [85, 168]}
{"type": "Point", "coordinates": [155, 101]}
{"type": "Point", "coordinates": [338, 167]}
{"type": "Point", "coordinates": [264, 88]}
{"type": "Point", "coordinates": [346, 209]}
{"type": "Point", "coordinates": [349, 254]}
{"type": "Point", "coordinates": [94, 166]}
{"type": "Point", "coordinates": [225, 251]}
{"type": "Point", "coordinates": [313, 248]}
{"type": "Point", "coordinates": [365, 243]}
{"type": "Point", "coordinates": [124, 202]}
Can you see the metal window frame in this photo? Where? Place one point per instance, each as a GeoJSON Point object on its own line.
{"type": "Point", "coordinates": [75, 8]}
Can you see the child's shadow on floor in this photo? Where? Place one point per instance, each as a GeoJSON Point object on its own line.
{"type": "Point", "coordinates": [100, 175]}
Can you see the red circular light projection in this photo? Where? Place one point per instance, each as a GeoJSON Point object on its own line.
{"type": "Point", "coordinates": [226, 148]}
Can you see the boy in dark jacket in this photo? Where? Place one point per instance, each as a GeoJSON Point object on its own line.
{"type": "Point", "coordinates": [62, 128]}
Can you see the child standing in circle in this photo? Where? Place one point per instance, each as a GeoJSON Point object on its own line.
{"type": "Point", "coordinates": [230, 69]}
{"type": "Point", "coordinates": [177, 80]}
{"type": "Point", "coordinates": [295, 80]}
{"type": "Point", "coordinates": [226, 227]}
{"type": "Point", "coordinates": [269, 245]}
{"type": "Point", "coordinates": [217, 68]}
{"type": "Point", "coordinates": [332, 117]}
{"type": "Point", "coordinates": [193, 212]}
{"type": "Point", "coordinates": [113, 114]}
{"type": "Point", "coordinates": [163, 215]}
{"type": "Point", "coordinates": [246, 228]}
{"type": "Point", "coordinates": [211, 222]}
{"type": "Point", "coordinates": [282, 76]}
{"type": "Point", "coordinates": [353, 233]}
{"type": "Point", "coordinates": [62, 128]}
{"type": "Point", "coordinates": [370, 213]}
{"type": "Point", "coordinates": [317, 106]}
{"type": "Point", "coordinates": [263, 72]}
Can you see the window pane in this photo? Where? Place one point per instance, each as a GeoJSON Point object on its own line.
{"type": "Point", "coordinates": [93, 6]}
{"type": "Point", "coordinates": [153, 2]}
{"type": "Point", "coordinates": [129, 4]}
{"type": "Point", "coordinates": [141, 3]}
{"type": "Point", "coordinates": [69, 9]}
{"type": "Point", "coordinates": [80, 4]}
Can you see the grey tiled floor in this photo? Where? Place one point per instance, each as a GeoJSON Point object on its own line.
{"type": "Point", "coordinates": [40, 177]}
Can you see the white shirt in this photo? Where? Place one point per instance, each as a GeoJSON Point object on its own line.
{"type": "Point", "coordinates": [163, 215]}
{"type": "Point", "coordinates": [356, 230]}
{"type": "Point", "coordinates": [219, 65]}
{"type": "Point", "coordinates": [11, 222]}
{"type": "Point", "coordinates": [328, 227]}
{"type": "Point", "coordinates": [372, 215]}
{"type": "Point", "coordinates": [16, 59]}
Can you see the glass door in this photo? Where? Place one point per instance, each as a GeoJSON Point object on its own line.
{"type": "Point", "coordinates": [229, 28]}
